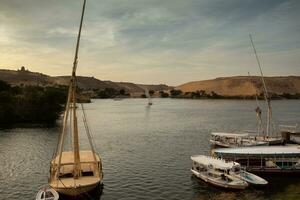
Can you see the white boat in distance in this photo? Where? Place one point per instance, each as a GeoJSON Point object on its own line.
{"type": "Point", "coordinates": [47, 193]}
{"type": "Point", "coordinates": [235, 140]}
{"type": "Point", "coordinates": [216, 172]}
{"type": "Point", "coordinates": [147, 94]}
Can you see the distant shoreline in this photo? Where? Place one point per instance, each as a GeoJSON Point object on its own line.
{"type": "Point", "coordinates": [234, 87]}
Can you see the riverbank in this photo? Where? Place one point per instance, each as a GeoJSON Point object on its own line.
{"type": "Point", "coordinates": [30, 104]}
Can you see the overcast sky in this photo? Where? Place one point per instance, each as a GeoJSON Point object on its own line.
{"type": "Point", "coordinates": [152, 41]}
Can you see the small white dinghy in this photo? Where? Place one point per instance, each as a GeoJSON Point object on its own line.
{"type": "Point", "coordinates": [247, 176]}
{"type": "Point", "coordinates": [47, 193]}
{"type": "Point", "coordinates": [252, 178]}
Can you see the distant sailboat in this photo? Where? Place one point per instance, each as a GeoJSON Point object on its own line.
{"type": "Point", "coordinates": [148, 96]}
{"type": "Point", "coordinates": [74, 172]}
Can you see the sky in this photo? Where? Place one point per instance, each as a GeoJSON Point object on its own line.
{"type": "Point", "coordinates": [152, 41]}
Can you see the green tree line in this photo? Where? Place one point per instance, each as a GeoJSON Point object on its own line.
{"type": "Point", "coordinates": [30, 104]}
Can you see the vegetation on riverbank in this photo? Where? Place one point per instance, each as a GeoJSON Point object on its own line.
{"type": "Point", "coordinates": [202, 94]}
{"type": "Point", "coordinates": [110, 93]}
{"type": "Point", "coordinates": [30, 104]}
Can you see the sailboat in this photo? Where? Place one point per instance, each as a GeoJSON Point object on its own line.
{"type": "Point", "coordinates": [270, 136]}
{"type": "Point", "coordinates": [148, 96]}
{"type": "Point", "coordinates": [74, 172]}
{"type": "Point", "coordinates": [259, 138]}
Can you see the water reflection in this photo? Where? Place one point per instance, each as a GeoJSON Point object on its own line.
{"type": "Point", "coordinates": [92, 195]}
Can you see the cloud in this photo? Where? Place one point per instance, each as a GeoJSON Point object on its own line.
{"type": "Point", "coordinates": [151, 41]}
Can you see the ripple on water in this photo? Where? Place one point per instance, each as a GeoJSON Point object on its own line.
{"type": "Point", "coordinates": [145, 152]}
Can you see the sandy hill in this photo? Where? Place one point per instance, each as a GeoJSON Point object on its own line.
{"type": "Point", "coordinates": [244, 85]}
{"type": "Point", "coordinates": [86, 83]}
{"type": "Point", "coordinates": [26, 77]}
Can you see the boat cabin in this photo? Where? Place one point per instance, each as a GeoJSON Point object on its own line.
{"type": "Point", "coordinates": [265, 159]}
{"type": "Point", "coordinates": [87, 164]}
{"type": "Point", "coordinates": [227, 139]}
{"type": "Point", "coordinates": [205, 163]}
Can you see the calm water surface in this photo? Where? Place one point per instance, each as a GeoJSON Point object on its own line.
{"type": "Point", "coordinates": [145, 150]}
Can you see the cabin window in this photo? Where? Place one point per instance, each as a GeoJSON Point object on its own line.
{"type": "Point", "coordinates": [236, 169]}
{"type": "Point", "coordinates": [66, 175]}
{"type": "Point", "coordinates": [88, 173]}
{"type": "Point", "coordinates": [198, 168]}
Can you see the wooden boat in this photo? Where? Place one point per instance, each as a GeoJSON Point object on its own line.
{"type": "Point", "coordinates": [216, 172]}
{"type": "Point", "coordinates": [264, 159]}
{"type": "Point", "coordinates": [74, 172]}
{"type": "Point", "coordinates": [234, 140]}
{"type": "Point", "coordinates": [47, 193]}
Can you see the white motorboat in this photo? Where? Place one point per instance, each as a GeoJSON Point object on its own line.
{"type": "Point", "coordinates": [235, 140]}
{"type": "Point", "coordinates": [216, 172]}
{"type": "Point", "coordinates": [47, 193]}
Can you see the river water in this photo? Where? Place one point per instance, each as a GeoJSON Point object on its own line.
{"type": "Point", "coordinates": [145, 150]}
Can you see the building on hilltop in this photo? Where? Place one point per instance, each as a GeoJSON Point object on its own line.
{"type": "Point", "coordinates": [23, 69]}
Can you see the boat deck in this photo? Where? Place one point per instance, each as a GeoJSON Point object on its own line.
{"type": "Point", "coordinates": [73, 183]}
{"type": "Point", "coordinates": [68, 157]}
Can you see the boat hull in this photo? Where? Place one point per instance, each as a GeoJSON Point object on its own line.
{"type": "Point", "coordinates": [76, 191]}
{"type": "Point", "coordinates": [218, 144]}
{"type": "Point", "coordinates": [43, 194]}
{"type": "Point", "coordinates": [226, 145]}
{"type": "Point", "coordinates": [219, 184]}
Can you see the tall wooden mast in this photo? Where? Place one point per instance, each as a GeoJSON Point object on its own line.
{"type": "Point", "coordinates": [266, 95]}
{"type": "Point", "coordinates": [71, 107]}
{"type": "Point", "coordinates": [74, 85]}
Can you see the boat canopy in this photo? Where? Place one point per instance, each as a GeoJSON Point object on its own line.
{"type": "Point", "coordinates": [230, 135]}
{"type": "Point", "coordinates": [287, 151]}
{"type": "Point", "coordinates": [214, 162]}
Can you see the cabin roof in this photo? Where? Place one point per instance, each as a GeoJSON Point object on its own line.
{"type": "Point", "coordinates": [68, 157]}
{"type": "Point", "coordinates": [288, 150]}
{"type": "Point", "coordinates": [215, 162]}
{"type": "Point", "coordinates": [230, 135]}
